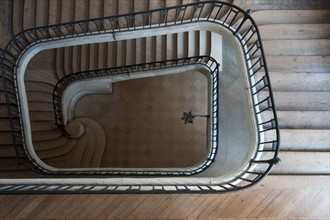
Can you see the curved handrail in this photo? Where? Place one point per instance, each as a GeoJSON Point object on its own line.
{"type": "Point", "coordinates": [209, 62]}
{"type": "Point", "coordinates": [229, 16]}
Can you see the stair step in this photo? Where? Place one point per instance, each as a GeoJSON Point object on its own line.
{"type": "Point", "coordinates": [5, 123]}
{"type": "Point", "coordinates": [182, 42]}
{"type": "Point", "coordinates": [161, 47]}
{"type": "Point", "coordinates": [110, 7]}
{"type": "Point", "coordinates": [150, 49]}
{"type": "Point", "coordinates": [41, 107]}
{"type": "Point", "coordinates": [41, 96]}
{"type": "Point", "coordinates": [193, 43]}
{"type": "Point", "coordinates": [81, 10]}
{"type": "Point", "coordinates": [42, 116]}
{"type": "Point", "coordinates": [59, 64]}
{"type": "Point", "coordinates": [50, 144]}
{"type": "Point", "coordinates": [303, 163]}
{"type": "Point", "coordinates": [320, 64]}
{"type": "Point", "coordinates": [17, 22]}
{"type": "Point", "coordinates": [140, 50]}
{"type": "Point", "coordinates": [282, 5]}
{"type": "Point", "coordinates": [297, 47]}
{"type": "Point", "coordinates": [303, 119]}
{"type": "Point", "coordinates": [29, 18]}
{"type": "Point", "coordinates": [5, 21]}
{"type": "Point", "coordinates": [130, 52]}
{"type": "Point", "coordinates": [31, 86]}
{"type": "Point", "coordinates": [111, 54]}
{"type": "Point", "coordinates": [67, 11]}
{"type": "Point", "coordinates": [97, 137]}
{"type": "Point", "coordinates": [74, 157]}
{"type": "Point", "coordinates": [291, 16]}
{"type": "Point", "coordinates": [42, 126]}
{"type": "Point", "coordinates": [3, 110]}
{"type": "Point", "coordinates": [89, 149]}
{"type": "Point", "coordinates": [84, 57]}
{"type": "Point", "coordinates": [299, 82]}
{"type": "Point", "coordinates": [68, 60]}
{"type": "Point", "coordinates": [302, 101]}
{"type": "Point", "coordinates": [172, 46]}
{"type": "Point", "coordinates": [58, 151]}
{"type": "Point", "coordinates": [76, 59]}
{"type": "Point", "coordinates": [54, 10]}
{"type": "Point", "coordinates": [102, 56]}
{"type": "Point", "coordinates": [305, 140]}
{"type": "Point", "coordinates": [95, 9]}
{"type": "Point", "coordinates": [10, 164]}
{"type": "Point", "coordinates": [93, 56]}
{"type": "Point", "coordinates": [205, 48]}
{"type": "Point", "coordinates": [40, 75]}
{"type": "Point", "coordinates": [46, 135]}
{"type": "Point", "coordinates": [294, 31]}
{"type": "Point", "coordinates": [42, 13]}
{"type": "Point", "coordinates": [7, 151]}
{"type": "Point", "coordinates": [6, 138]}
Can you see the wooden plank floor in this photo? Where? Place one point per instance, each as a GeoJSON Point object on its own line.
{"type": "Point", "coordinates": [277, 197]}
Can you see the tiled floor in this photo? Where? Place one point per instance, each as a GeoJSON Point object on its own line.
{"type": "Point", "coordinates": [142, 120]}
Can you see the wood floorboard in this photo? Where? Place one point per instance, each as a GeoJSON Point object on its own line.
{"type": "Point", "coordinates": [173, 206]}
{"type": "Point", "coordinates": [277, 197]}
{"type": "Point", "coordinates": [28, 205]}
{"type": "Point", "coordinates": [107, 200]}
{"type": "Point", "coordinates": [42, 209]}
{"type": "Point", "coordinates": [144, 209]}
{"type": "Point", "coordinates": [126, 207]}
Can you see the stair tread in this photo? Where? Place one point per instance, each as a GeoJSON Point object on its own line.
{"type": "Point", "coordinates": [302, 101]}
{"type": "Point", "coordinates": [320, 47]}
{"type": "Point", "coordinates": [42, 116]}
{"type": "Point", "coordinates": [54, 12]}
{"type": "Point", "coordinates": [305, 163]}
{"type": "Point", "coordinates": [303, 119]}
{"type": "Point", "coordinates": [17, 22]}
{"type": "Point", "coordinates": [41, 106]}
{"type": "Point", "coordinates": [59, 150]}
{"type": "Point", "coordinates": [38, 86]}
{"type": "Point", "coordinates": [298, 63]}
{"type": "Point", "coordinates": [299, 82]}
{"type": "Point", "coordinates": [46, 135]}
{"type": "Point", "coordinates": [81, 10]}
{"type": "Point", "coordinates": [7, 151]}
{"type": "Point", "coordinates": [291, 16]}
{"type": "Point", "coordinates": [294, 31]}
{"type": "Point", "coordinates": [305, 140]}
{"type": "Point", "coordinates": [29, 12]}
{"type": "Point", "coordinates": [95, 9]}
{"type": "Point", "coordinates": [281, 5]}
{"type": "Point", "coordinates": [49, 144]}
{"type": "Point", "coordinates": [42, 125]}
{"type": "Point", "coordinates": [41, 75]}
{"type": "Point", "coordinates": [10, 164]}
{"type": "Point", "coordinates": [41, 13]}
{"type": "Point", "coordinates": [89, 149]}
{"type": "Point", "coordinates": [67, 10]}
{"type": "Point", "coordinates": [40, 96]}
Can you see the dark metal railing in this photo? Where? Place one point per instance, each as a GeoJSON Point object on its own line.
{"type": "Point", "coordinates": [223, 14]}
{"type": "Point", "coordinates": [209, 62]}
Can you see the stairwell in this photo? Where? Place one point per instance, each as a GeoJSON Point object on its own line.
{"type": "Point", "coordinates": [296, 39]}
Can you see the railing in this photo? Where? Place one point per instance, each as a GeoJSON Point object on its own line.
{"type": "Point", "coordinates": [209, 62]}
{"type": "Point", "coordinates": [226, 15]}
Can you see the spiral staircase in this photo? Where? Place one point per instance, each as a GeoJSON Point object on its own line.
{"type": "Point", "coordinates": [296, 44]}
